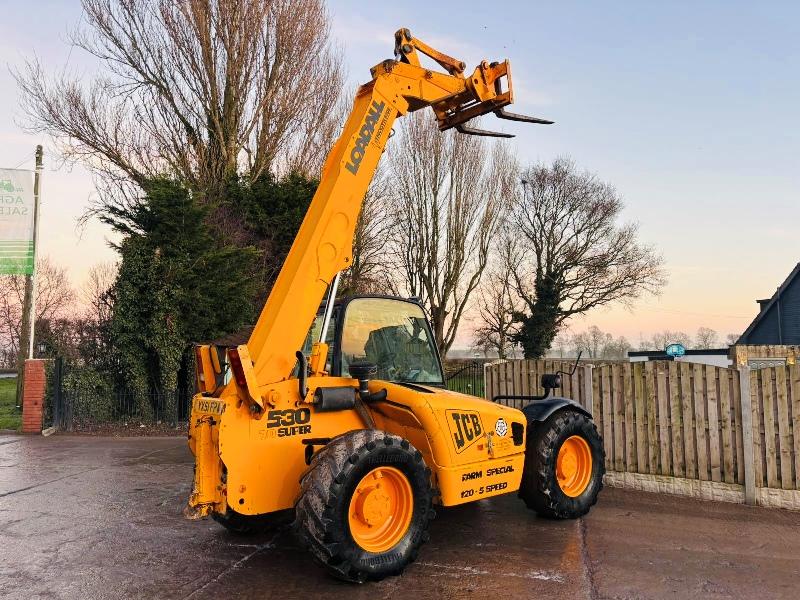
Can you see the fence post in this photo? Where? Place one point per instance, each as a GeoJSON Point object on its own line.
{"type": "Point", "coordinates": [58, 376]}
{"type": "Point", "coordinates": [486, 381]}
{"type": "Point", "coordinates": [748, 448]}
{"type": "Point", "coordinates": [588, 397]}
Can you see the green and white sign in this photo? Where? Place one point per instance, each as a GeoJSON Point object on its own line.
{"type": "Point", "coordinates": [16, 222]}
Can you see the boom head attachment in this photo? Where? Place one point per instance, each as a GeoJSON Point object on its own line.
{"type": "Point", "coordinates": [483, 91]}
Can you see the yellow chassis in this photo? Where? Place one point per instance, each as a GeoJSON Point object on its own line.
{"type": "Point", "coordinates": [458, 436]}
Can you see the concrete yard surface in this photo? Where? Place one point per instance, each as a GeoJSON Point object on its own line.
{"type": "Point", "coordinates": [94, 517]}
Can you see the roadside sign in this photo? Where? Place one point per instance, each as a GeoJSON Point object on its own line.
{"type": "Point", "coordinates": [16, 222]}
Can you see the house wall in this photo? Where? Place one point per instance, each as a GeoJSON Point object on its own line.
{"type": "Point", "coordinates": [790, 313]}
{"type": "Point", "coordinates": [718, 360]}
{"type": "Point", "coordinates": [766, 332]}
{"type": "Point", "coordinates": [744, 354]}
{"type": "Point", "coordinates": [780, 323]}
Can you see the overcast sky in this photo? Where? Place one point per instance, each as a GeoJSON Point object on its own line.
{"type": "Point", "coordinates": [689, 108]}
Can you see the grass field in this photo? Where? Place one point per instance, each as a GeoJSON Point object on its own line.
{"type": "Point", "coordinates": [10, 417]}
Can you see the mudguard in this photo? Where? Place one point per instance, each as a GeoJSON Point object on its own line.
{"type": "Point", "coordinates": [541, 410]}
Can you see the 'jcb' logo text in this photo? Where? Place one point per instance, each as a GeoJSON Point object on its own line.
{"type": "Point", "coordinates": [465, 426]}
{"type": "Point", "coordinates": [365, 136]}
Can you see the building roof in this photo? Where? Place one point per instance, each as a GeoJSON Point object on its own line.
{"type": "Point", "coordinates": [695, 352]}
{"type": "Point", "coordinates": [767, 310]}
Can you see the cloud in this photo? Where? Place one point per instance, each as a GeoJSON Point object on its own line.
{"type": "Point", "coordinates": [356, 31]}
{"type": "Point", "coordinates": [530, 96]}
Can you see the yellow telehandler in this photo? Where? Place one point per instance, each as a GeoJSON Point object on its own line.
{"type": "Point", "coordinates": [338, 419]}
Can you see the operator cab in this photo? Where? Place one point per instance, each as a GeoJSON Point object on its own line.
{"type": "Point", "coordinates": [391, 333]}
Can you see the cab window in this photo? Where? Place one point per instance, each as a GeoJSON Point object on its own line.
{"type": "Point", "coordinates": [392, 334]}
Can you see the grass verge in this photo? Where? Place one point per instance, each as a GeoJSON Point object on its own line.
{"type": "Point", "coordinates": [10, 417]}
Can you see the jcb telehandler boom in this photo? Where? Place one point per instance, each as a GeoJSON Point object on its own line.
{"type": "Point", "coordinates": [355, 439]}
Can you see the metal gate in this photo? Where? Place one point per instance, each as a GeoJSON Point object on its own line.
{"type": "Point", "coordinates": [59, 411]}
{"type": "Point", "coordinates": [467, 379]}
{"type": "Point", "coordinates": [78, 403]}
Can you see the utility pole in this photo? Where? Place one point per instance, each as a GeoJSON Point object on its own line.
{"type": "Point", "coordinates": [29, 302]}
{"type": "Point", "coordinates": [37, 195]}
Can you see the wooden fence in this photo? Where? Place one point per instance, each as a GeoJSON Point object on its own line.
{"type": "Point", "coordinates": [702, 430]}
{"type": "Point", "coordinates": [521, 378]}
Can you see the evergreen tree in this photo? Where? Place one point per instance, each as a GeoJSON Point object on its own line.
{"type": "Point", "coordinates": [272, 211]}
{"type": "Point", "coordinates": [176, 285]}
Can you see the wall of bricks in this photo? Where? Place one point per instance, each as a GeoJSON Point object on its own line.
{"type": "Point", "coordinates": [33, 396]}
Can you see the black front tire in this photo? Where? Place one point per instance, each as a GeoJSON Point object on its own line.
{"type": "Point", "coordinates": [322, 523]}
{"type": "Point", "coordinates": [540, 489]}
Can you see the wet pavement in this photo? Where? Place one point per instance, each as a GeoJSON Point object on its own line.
{"type": "Point", "coordinates": [91, 517]}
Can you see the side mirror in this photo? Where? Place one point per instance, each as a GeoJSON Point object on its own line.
{"type": "Point", "coordinates": [363, 372]}
{"type": "Point", "coordinates": [551, 381]}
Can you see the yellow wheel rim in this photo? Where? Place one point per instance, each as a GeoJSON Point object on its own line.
{"type": "Point", "coordinates": [381, 509]}
{"type": "Point", "coordinates": [574, 466]}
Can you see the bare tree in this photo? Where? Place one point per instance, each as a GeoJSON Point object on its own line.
{"type": "Point", "coordinates": [591, 342]}
{"type": "Point", "coordinates": [450, 192]}
{"type": "Point", "coordinates": [617, 349]}
{"type": "Point", "coordinates": [662, 339]}
{"type": "Point", "coordinates": [369, 272]}
{"type": "Point", "coordinates": [706, 338]}
{"type": "Point", "coordinates": [496, 307]}
{"type": "Point", "coordinates": [91, 332]}
{"type": "Point", "coordinates": [732, 338]}
{"type": "Point", "coordinates": [54, 300]}
{"type": "Point", "coordinates": [96, 292]}
{"type": "Point", "coordinates": [597, 344]}
{"type": "Point", "coordinates": [562, 344]}
{"type": "Point", "coordinates": [202, 89]}
{"type": "Point", "coordinates": [569, 253]}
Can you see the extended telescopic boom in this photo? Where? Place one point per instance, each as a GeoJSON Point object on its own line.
{"type": "Point", "coordinates": [323, 246]}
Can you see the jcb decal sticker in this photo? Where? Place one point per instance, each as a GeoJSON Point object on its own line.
{"type": "Point", "coordinates": [465, 427]}
{"type": "Point", "coordinates": [289, 422]}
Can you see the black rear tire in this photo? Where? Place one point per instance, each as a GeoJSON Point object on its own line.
{"type": "Point", "coordinates": [540, 489]}
{"type": "Point", "coordinates": [322, 511]}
